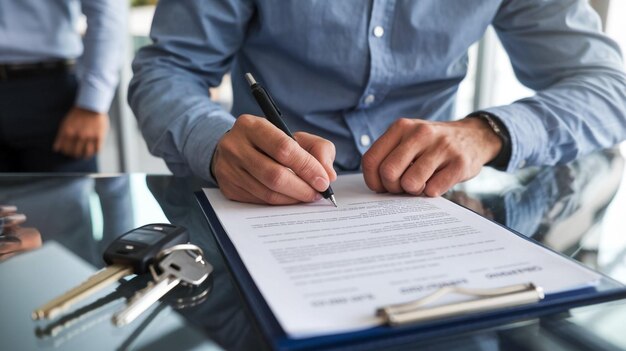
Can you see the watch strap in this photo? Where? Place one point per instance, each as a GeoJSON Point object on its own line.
{"type": "Point", "coordinates": [501, 161]}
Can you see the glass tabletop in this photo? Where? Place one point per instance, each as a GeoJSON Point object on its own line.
{"type": "Point", "coordinates": [576, 209]}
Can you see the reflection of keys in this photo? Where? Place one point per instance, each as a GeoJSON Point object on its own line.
{"type": "Point", "coordinates": [131, 253]}
{"type": "Point", "coordinates": [183, 297]}
{"type": "Point", "coordinates": [93, 311]}
{"type": "Point", "coordinates": [180, 266]}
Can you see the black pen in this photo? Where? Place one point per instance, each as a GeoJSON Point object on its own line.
{"type": "Point", "coordinates": [272, 113]}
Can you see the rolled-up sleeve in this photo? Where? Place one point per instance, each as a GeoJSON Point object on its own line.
{"type": "Point", "coordinates": [194, 43]}
{"type": "Point", "coordinates": [104, 49]}
{"type": "Point", "coordinates": [557, 49]}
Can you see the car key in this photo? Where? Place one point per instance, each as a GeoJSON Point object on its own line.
{"type": "Point", "coordinates": [180, 266]}
{"type": "Point", "coordinates": [126, 289]}
{"type": "Point", "coordinates": [131, 253]}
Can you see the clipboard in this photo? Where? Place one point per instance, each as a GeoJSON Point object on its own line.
{"type": "Point", "coordinates": [607, 289]}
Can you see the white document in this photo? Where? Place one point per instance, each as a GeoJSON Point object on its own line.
{"type": "Point", "coordinates": [326, 270]}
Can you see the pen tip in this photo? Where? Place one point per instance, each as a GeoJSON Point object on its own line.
{"type": "Point", "coordinates": [332, 199]}
{"type": "Point", "coordinates": [250, 79]}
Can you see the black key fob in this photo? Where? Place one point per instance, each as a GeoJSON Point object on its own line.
{"type": "Point", "coordinates": [139, 247]}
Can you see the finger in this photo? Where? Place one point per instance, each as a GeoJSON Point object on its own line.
{"type": "Point", "coordinates": [30, 238]}
{"type": "Point", "coordinates": [265, 195]}
{"type": "Point", "coordinates": [396, 163]}
{"type": "Point", "coordinates": [414, 180]}
{"type": "Point", "coordinates": [375, 156]}
{"type": "Point", "coordinates": [78, 148]}
{"type": "Point", "coordinates": [63, 141]}
{"type": "Point", "coordinates": [287, 152]}
{"type": "Point", "coordinates": [13, 220]}
{"type": "Point", "coordinates": [99, 143]}
{"type": "Point", "coordinates": [62, 137]}
{"type": "Point", "coordinates": [250, 189]}
{"type": "Point", "coordinates": [228, 179]}
{"type": "Point", "coordinates": [90, 149]}
{"type": "Point", "coordinates": [443, 180]}
{"type": "Point", "coordinates": [280, 179]}
{"type": "Point", "coordinates": [6, 209]}
{"type": "Point", "coordinates": [320, 148]}
{"type": "Point", "coordinates": [4, 257]}
{"type": "Point", "coordinates": [59, 143]}
{"type": "Point", "coordinates": [67, 145]}
{"type": "Point", "coordinates": [237, 193]}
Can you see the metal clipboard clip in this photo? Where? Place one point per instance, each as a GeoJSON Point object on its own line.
{"type": "Point", "coordinates": [488, 299]}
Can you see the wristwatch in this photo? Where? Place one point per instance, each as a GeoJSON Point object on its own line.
{"type": "Point", "coordinates": [501, 161]}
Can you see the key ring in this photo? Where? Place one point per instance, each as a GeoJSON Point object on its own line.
{"type": "Point", "coordinates": [180, 247]}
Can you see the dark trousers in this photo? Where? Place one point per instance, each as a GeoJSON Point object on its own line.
{"type": "Point", "coordinates": [31, 111]}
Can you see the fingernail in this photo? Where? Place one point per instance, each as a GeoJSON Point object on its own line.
{"type": "Point", "coordinates": [318, 197]}
{"type": "Point", "coordinates": [320, 184]}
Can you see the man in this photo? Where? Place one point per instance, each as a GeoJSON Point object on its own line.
{"type": "Point", "coordinates": [53, 109]}
{"type": "Point", "coordinates": [376, 80]}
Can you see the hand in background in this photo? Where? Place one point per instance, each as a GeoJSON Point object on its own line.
{"type": "Point", "coordinates": [14, 238]}
{"type": "Point", "coordinates": [424, 157]}
{"type": "Point", "coordinates": [9, 218]}
{"type": "Point", "coordinates": [82, 133]}
{"type": "Point", "coordinates": [258, 163]}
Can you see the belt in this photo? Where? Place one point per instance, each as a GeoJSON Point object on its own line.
{"type": "Point", "coordinates": [26, 70]}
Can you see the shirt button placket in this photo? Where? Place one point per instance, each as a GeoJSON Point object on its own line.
{"type": "Point", "coordinates": [374, 91]}
{"type": "Point", "coordinates": [365, 140]}
{"type": "Point", "coordinates": [379, 31]}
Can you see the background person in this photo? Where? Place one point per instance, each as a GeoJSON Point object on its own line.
{"type": "Point", "coordinates": [56, 87]}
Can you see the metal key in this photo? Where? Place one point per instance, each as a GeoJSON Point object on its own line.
{"type": "Point", "coordinates": [180, 266]}
{"type": "Point", "coordinates": [133, 252]}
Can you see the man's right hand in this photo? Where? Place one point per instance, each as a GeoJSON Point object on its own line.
{"type": "Point", "coordinates": [258, 163]}
{"type": "Point", "coordinates": [82, 133]}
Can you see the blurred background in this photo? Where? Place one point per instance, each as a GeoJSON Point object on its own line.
{"type": "Point", "coordinates": [490, 81]}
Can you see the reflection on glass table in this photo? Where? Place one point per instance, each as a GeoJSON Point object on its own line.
{"type": "Point", "coordinates": [15, 238]}
{"type": "Point", "coordinates": [576, 209]}
{"type": "Point", "coordinates": [562, 207]}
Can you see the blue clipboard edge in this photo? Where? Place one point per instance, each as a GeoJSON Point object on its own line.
{"type": "Point", "coordinates": [382, 336]}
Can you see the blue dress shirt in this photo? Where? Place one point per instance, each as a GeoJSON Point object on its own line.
{"type": "Point", "coordinates": [36, 31]}
{"type": "Point", "coordinates": [345, 70]}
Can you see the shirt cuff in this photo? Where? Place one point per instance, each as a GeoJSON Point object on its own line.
{"type": "Point", "coordinates": [203, 140]}
{"type": "Point", "coordinates": [94, 98]}
{"type": "Point", "coordinates": [528, 135]}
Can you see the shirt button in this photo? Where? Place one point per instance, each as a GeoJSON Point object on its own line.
{"type": "Point", "coordinates": [522, 164]}
{"type": "Point", "coordinates": [369, 99]}
{"type": "Point", "coordinates": [365, 140]}
{"type": "Point", "coordinates": [379, 31]}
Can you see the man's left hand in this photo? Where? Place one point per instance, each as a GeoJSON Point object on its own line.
{"type": "Point", "coordinates": [424, 157]}
{"type": "Point", "coordinates": [82, 133]}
